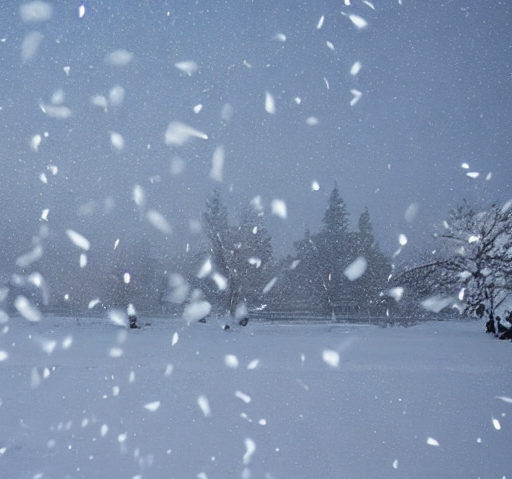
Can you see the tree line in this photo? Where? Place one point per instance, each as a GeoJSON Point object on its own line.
{"type": "Point", "coordinates": [335, 272]}
{"type": "Point", "coordinates": [311, 280]}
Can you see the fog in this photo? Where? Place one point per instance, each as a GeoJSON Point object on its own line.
{"type": "Point", "coordinates": [235, 241]}
{"type": "Point", "coordinates": [433, 92]}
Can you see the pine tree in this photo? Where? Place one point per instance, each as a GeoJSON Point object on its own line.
{"type": "Point", "coordinates": [254, 258]}
{"type": "Point", "coordinates": [217, 231]}
{"type": "Point", "coordinates": [366, 238]}
{"type": "Point", "coordinates": [336, 216]}
{"type": "Point", "coordinates": [312, 274]}
{"type": "Point", "coordinates": [322, 259]}
{"type": "Point", "coordinates": [334, 249]}
{"type": "Point", "coordinates": [221, 248]}
{"type": "Point", "coordinates": [373, 282]}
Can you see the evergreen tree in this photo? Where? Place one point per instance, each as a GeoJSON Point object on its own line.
{"type": "Point", "coordinates": [313, 273]}
{"type": "Point", "coordinates": [322, 258]}
{"type": "Point", "coordinates": [254, 256]}
{"type": "Point", "coordinates": [366, 238]}
{"type": "Point", "coordinates": [336, 216]}
{"type": "Point", "coordinates": [373, 282]}
{"type": "Point", "coordinates": [218, 233]}
{"type": "Point", "coordinates": [221, 248]}
{"type": "Point", "coordinates": [334, 251]}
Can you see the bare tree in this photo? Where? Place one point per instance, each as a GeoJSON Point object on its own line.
{"type": "Point", "coordinates": [474, 263]}
{"type": "Point", "coordinates": [241, 254]}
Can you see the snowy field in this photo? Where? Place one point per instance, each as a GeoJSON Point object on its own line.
{"type": "Point", "coordinates": [91, 400]}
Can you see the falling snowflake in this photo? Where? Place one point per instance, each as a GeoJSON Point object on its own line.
{"type": "Point", "coordinates": [396, 293]}
{"type": "Point", "coordinates": [205, 269]}
{"type": "Point", "coordinates": [177, 134]}
{"type": "Point", "coordinates": [118, 317]}
{"type": "Point", "coordinates": [158, 221]}
{"type": "Point", "coordinates": [330, 357]}
{"type": "Point", "coordinates": [496, 424]}
{"type": "Point", "coordinates": [411, 212]}
{"type": "Point", "coordinates": [269, 285]}
{"type": "Point", "coordinates": [30, 46]}
{"type": "Point", "coordinates": [217, 164]}
{"type": "Point", "coordinates": [231, 361]}
{"type": "Point", "coordinates": [115, 352]}
{"type": "Point", "coordinates": [188, 66]}
{"type": "Point", "coordinates": [243, 397]}
{"type": "Point", "coordinates": [152, 406]}
{"type": "Point", "coordinates": [31, 257]}
{"type": "Point", "coordinates": [36, 11]}
{"type": "Point", "coordinates": [220, 281]}
{"type": "Point", "coordinates": [356, 269]}
{"type": "Point", "coordinates": [356, 96]}
{"type": "Point", "coordinates": [60, 112]}
{"type": "Point", "coordinates": [93, 303]}
{"type": "Point", "coordinates": [253, 364]}
{"type": "Point", "coordinates": [117, 140]}
{"type": "Point", "coordinates": [67, 342]}
{"type": "Point", "coordinates": [250, 448]}
{"type": "Point", "coordinates": [355, 68]}
{"type": "Point", "coordinates": [196, 310]}
{"type": "Point", "coordinates": [432, 442]}
{"type": "Point", "coordinates": [436, 303]}
{"type": "Point", "coordinates": [358, 21]}
{"type": "Point", "coordinates": [116, 95]}
{"type": "Point", "coordinates": [270, 105]}
{"type": "Point", "coordinates": [100, 101]}
{"type": "Point", "coordinates": [279, 208]}
{"type": "Point", "coordinates": [78, 240]}
{"type": "Point", "coordinates": [27, 309]}
{"type": "Point", "coordinates": [35, 142]}
{"type": "Point", "coordinates": [204, 405]}
{"type": "Point", "coordinates": [119, 58]}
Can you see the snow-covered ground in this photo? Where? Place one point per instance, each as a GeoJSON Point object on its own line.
{"type": "Point", "coordinates": [92, 400]}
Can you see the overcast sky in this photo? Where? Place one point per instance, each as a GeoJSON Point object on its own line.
{"type": "Point", "coordinates": [436, 92]}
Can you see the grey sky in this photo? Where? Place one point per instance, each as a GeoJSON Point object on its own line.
{"type": "Point", "coordinates": [436, 84]}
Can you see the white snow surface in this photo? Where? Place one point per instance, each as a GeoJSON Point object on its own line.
{"type": "Point", "coordinates": [373, 416]}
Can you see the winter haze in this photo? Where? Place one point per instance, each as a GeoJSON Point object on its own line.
{"type": "Point", "coordinates": [255, 239]}
{"type": "Point", "coordinates": [436, 92]}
